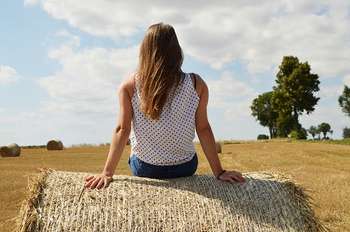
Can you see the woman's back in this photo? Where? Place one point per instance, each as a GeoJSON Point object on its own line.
{"type": "Point", "coordinates": [169, 140]}
{"type": "Point", "coordinates": [162, 133]}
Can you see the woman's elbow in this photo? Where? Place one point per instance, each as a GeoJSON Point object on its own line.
{"type": "Point", "coordinates": [123, 131]}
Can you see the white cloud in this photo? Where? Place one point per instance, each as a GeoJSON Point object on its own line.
{"type": "Point", "coordinates": [256, 33]}
{"type": "Point", "coordinates": [232, 96]}
{"type": "Point", "coordinates": [71, 128]}
{"type": "Point", "coordinates": [333, 91]}
{"type": "Point", "coordinates": [330, 91]}
{"type": "Point", "coordinates": [72, 40]}
{"type": "Point", "coordinates": [347, 80]}
{"type": "Point", "coordinates": [30, 2]}
{"type": "Point", "coordinates": [228, 89]}
{"type": "Point", "coordinates": [89, 77]}
{"type": "Point", "coordinates": [82, 101]}
{"type": "Point", "coordinates": [8, 74]}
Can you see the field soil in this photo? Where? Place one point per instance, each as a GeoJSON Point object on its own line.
{"type": "Point", "coordinates": [322, 168]}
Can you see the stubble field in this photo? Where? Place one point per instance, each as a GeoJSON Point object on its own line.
{"type": "Point", "coordinates": [322, 168]}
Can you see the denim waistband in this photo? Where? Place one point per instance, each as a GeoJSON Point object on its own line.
{"type": "Point", "coordinates": [195, 157]}
{"type": "Point", "coordinates": [141, 168]}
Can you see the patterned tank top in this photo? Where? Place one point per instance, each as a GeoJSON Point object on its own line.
{"type": "Point", "coordinates": [169, 140]}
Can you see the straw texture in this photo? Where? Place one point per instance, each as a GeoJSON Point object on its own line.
{"type": "Point", "coordinates": [266, 202]}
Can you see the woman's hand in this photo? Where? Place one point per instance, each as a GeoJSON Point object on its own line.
{"type": "Point", "coordinates": [98, 181]}
{"type": "Point", "coordinates": [232, 176]}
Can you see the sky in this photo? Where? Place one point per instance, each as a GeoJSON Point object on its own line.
{"type": "Point", "coordinates": [62, 61]}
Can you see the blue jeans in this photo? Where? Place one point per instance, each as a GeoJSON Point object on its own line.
{"type": "Point", "coordinates": [143, 169]}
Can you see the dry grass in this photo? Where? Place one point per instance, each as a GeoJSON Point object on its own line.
{"type": "Point", "coordinates": [322, 168]}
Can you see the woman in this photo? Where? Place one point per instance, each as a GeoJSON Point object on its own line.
{"type": "Point", "coordinates": [165, 106]}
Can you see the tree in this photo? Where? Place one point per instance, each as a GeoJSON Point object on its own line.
{"type": "Point", "coordinates": [344, 100]}
{"type": "Point", "coordinates": [294, 93]}
{"type": "Point", "coordinates": [324, 128]}
{"type": "Point", "coordinates": [285, 124]}
{"type": "Point", "coordinates": [263, 111]}
{"type": "Point", "coordinates": [313, 131]}
{"type": "Point", "coordinates": [346, 133]}
{"type": "Point", "coordinates": [298, 134]}
{"type": "Point", "coordinates": [284, 121]}
{"type": "Point", "coordinates": [262, 137]}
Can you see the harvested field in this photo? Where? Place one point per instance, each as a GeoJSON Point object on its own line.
{"type": "Point", "coordinates": [323, 169]}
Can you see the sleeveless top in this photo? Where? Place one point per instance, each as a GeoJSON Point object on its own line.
{"type": "Point", "coordinates": [169, 140]}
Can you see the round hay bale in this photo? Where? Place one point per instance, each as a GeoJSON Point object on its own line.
{"type": "Point", "coordinates": [218, 147]}
{"type": "Point", "coordinates": [266, 202]}
{"type": "Point", "coordinates": [12, 150]}
{"type": "Point", "coordinates": [54, 145]}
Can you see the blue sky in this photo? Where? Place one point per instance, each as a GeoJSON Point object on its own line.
{"type": "Point", "coordinates": [62, 61]}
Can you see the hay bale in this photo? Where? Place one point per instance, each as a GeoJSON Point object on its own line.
{"type": "Point", "coordinates": [12, 150]}
{"type": "Point", "coordinates": [218, 147]}
{"type": "Point", "coordinates": [266, 202]}
{"type": "Point", "coordinates": [54, 145]}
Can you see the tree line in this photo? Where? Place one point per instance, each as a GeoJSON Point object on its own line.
{"type": "Point", "coordinates": [293, 95]}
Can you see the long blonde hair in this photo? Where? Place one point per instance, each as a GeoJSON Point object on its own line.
{"type": "Point", "coordinates": [159, 71]}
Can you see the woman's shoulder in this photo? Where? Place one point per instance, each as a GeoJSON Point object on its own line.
{"type": "Point", "coordinates": [201, 85]}
{"type": "Point", "coordinates": [128, 84]}
{"type": "Point", "coordinates": [198, 78]}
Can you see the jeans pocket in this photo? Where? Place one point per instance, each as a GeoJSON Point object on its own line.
{"type": "Point", "coordinates": [133, 164]}
{"type": "Point", "coordinates": [139, 167]}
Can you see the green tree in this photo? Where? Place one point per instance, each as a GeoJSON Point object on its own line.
{"type": "Point", "coordinates": [285, 121]}
{"type": "Point", "coordinates": [313, 131]}
{"type": "Point", "coordinates": [318, 133]}
{"type": "Point", "coordinates": [262, 137]}
{"type": "Point", "coordinates": [344, 100]}
{"type": "Point", "coordinates": [325, 128]}
{"type": "Point", "coordinates": [298, 134]}
{"type": "Point", "coordinates": [263, 111]}
{"type": "Point", "coordinates": [285, 124]}
{"type": "Point", "coordinates": [293, 94]}
{"type": "Point", "coordinates": [346, 133]}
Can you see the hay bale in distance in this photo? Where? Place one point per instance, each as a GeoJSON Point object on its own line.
{"type": "Point", "coordinates": [54, 145]}
{"type": "Point", "coordinates": [12, 150]}
{"type": "Point", "coordinates": [265, 202]}
{"type": "Point", "coordinates": [218, 147]}
{"type": "Point", "coordinates": [4, 151]}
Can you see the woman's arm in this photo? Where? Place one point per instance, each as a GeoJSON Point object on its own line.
{"type": "Point", "coordinates": [206, 136]}
{"type": "Point", "coordinates": [119, 139]}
